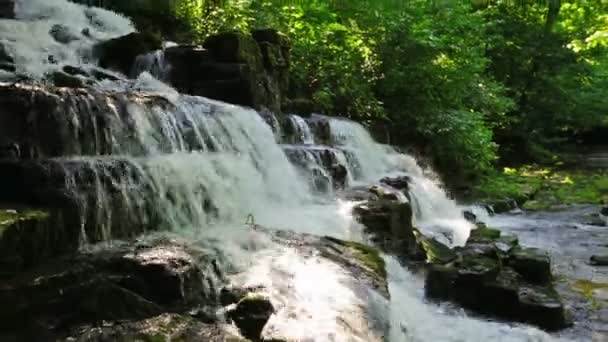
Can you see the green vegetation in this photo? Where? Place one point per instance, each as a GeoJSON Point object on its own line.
{"type": "Point", "coordinates": [10, 217]}
{"type": "Point", "coordinates": [587, 288]}
{"type": "Point", "coordinates": [369, 256]}
{"type": "Point", "coordinates": [538, 188]}
{"type": "Point", "coordinates": [475, 84]}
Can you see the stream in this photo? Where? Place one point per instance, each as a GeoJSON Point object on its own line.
{"type": "Point", "coordinates": [570, 240]}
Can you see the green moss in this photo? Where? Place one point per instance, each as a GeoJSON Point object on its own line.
{"type": "Point", "coordinates": [9, 217]}
{"type": "Point", "coordinates": [370, 257]}
{"type": "Point", "coordinates": [484, 233]}
{"type": "Point", "coordinates": [435, 251]}
{"type": "Point", "coordinates": [542, 188]}
{"type": "Point", "coordinates": [158, 337]}
{"type": "Point", "coordinates": [587, 287]}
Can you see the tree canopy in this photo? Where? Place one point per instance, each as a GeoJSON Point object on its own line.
{"type": "Point", "coordinates": [473, 83]}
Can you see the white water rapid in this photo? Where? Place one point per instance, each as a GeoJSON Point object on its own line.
{"type": "Point", "coordinates": [200, 168]}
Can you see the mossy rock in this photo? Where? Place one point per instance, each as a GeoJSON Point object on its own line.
{"type": "Point", "coordinates": [484, 234]}
{"type": "Point", "coordinates": [120, 53]}
{"type": "Point", "coordinates": [234, 47]}
{"type": "Point", "coordinates": [369, 257]}
{"type": "Point", "coordinates": [251, 315]}
{"type": "Point", "coordinates": [532, 263]}
{"type": "Point", "coordinates": [434, 251]}
{"type": "Point", "coordinates": [26, 237]}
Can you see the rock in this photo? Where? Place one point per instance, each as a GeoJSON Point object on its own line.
{"type": "Point", "coordinates": [599, 260]}
{"type": "Point", "coordinates": [492, 275]}
{"type": "Point", "coordinates": [232, 67]}
{"type": "Point", "coordinates": [484, 234]}
{"type": "Point", "coordinates": [40, 119]}
{"type": "Point", "coordinates": [469, 216]}
{"type": "Point", "coordinates": [7, 9]}
{"type": "Point", "coordinates": [165, 327]}
{"type": "Point", "coordinates": [251, 314]}
{"type": "Point", "coordinates": [232, 295]}
{"type": "Point", "coordinates": [116, 282]}
{"type": "Point", "coordinates": [503, 206]}
{"type": "Point", "coordinates": [532, 263]}
{"type": "Point", "coordinates": [363, 262]}
{"type": "Point", "coordinates": [543, 307]}
{"type": "Point", "coordinates": [435, 252]}
{"type": "Point", "coordinates": [604, 211]}
{"type": "Point", "coordinates": [7, 62]}
{"type": "Point", "coordinates": [400, 183]}
{"type": "Point", "coordinates": [63, 34]}
{"type": "Point", "coordinates": [75, 71]}
{"type": "Point", "coordinates": [28, 236]}
{"type": "Point", "coordinates": [130, 46]}
{"type": "Point", "coordinates": [389, 223]}
{"type": "Point", "coordinates": [62, 79]}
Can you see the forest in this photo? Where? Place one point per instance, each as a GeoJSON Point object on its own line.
{"type": "Point", "coordinates": [474, 84]}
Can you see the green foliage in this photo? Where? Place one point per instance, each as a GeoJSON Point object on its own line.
{"type": "Point", "coordinates": [544, 188]}
{"type": "Point", "coordinates": [468, 81]}
{"type": "Point", "coordinates": [334, 62]}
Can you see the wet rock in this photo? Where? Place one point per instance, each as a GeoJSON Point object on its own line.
{"type": "Point", "coordinates": [7, 63]}
{"type": "Point", "coordinates": [604, 211]}
{"type": "Point", "coordinates": [40, 119]}
{"type": "Point", "coordinates": [434, 251]}
{"type": "Point", "coordinates": [130, 46]}
{"type": "Point", "coordinates": [363, 262]}
{"type": "Point", "coordinates": [494, 276]}
{"type": "Point", "coordinates": [75, 71]}
{"type": "Point", "coordinates": [599, 260]}
{"type": "Point", "coordinates": [469, 216]}
{"type": "Point", "coordinates": [165, 327]}
{"type": "Point", "coordinates": [484, 234]}
{"type": "Point", "coordinates": [251, 315]}
{"type": "Point", "coordinates": [503, 206]}
{"type": "Point", "coordinates": [532, 263]}
{"type": "Point", "coordinates": [232, 67]}
{"type": "Point", "coordinates": [400, 183]}
{"type": "Point", "coordinates": [63, 34]}
{"type": "Point", "coordinates": [62, 79]}
{"type": "Point", "coordinates": [389, 223]}
{"type": "Point", "coordinates": [7, 9]}
{"type": "Point", "coordinates": [28, 236]}
{"type": "Point", "coordinates": [114, 282]}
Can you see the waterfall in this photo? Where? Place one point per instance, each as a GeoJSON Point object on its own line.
{"type": "Point", "coordinates": [135, 155]}
{"type": "Point", "coordinates": [49, 34]}
{"type": "Point", "coordinates": [303, 132]}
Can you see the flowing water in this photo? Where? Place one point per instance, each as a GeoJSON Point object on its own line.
{"type": "Point", "coordinates": [200, 167]}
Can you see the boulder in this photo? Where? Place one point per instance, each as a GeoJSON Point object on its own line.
{"type": "Point", "coordinates": [121, 281]}
{"type": "Point", "coordinates": [388, 222]}
{"type": "Point", "coordinates": [62, 79]}
{"type": "Point", "coordinates": [469, 216]}
{"type": "Point", "coordinates": [532, 263]}
{"type": "Point", "coordinates": [7, 9]}
{"type": "Point", "coordinates": [599, 260]}
{"type": "Point", "coordinates": [165, 327]}
{"type": "Point", "coordinates": [7, 62]}
{"type": "Point", "coordinates": [503, 206]}
{"type": "Point", "coordinates": [492, 275]}
{"type": "Point", "coordinates": [63, 34]}
{"type": "Point", "coordinates": [401, 183]}
{"type": "Point", "coordinates": [120, 53]}
{"type": "Point", "coordinates": [233, 67]}
{"type": "Point", "coordinates": [251, 314]}
{"type": "Point", "coordinates": [28, 236]}
{"type": "Point", "coordinates": [604, 211]}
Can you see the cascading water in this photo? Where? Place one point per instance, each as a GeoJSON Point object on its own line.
{"type": "Point", "coordinates": [197, 166]}
{"type": "Point", "coordinates": [49, 34]}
